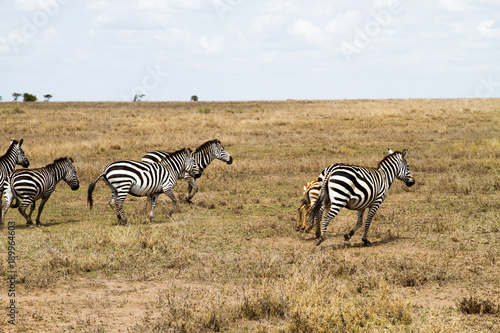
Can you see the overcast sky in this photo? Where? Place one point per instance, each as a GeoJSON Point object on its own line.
{"type": "Point", "coordinates": [90, 50]}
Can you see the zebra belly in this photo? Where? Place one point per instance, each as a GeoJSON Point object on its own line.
{"type": "Point", "coordinates": [141, 191]}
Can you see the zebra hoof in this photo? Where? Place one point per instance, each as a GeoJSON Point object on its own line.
{"type": "Point", "coordinates": [366, 242]}
{"type": "Point", "coordinates": [347, 237]}
{"type": "Point", "coordinates": [320, 240]}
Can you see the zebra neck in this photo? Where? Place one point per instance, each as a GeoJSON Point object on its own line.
{"type": "Point", "coordinates": [203, 159]}
{"type": "Point", "coordinates": [8, 161]}
{"type": "Point", "coordinates": [57, 171]}
{"type": "Point", "coordinates": [388, 172]}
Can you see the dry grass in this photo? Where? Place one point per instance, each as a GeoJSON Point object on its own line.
{"type": "Point", "coordinates": [233, 261]}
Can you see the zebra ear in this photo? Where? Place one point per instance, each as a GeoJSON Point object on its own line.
{"type": "Point", "coordinates": [390, 151]}
{"type": "Point", "coordinates": [404, 153]}
{"type": "Point", "coordinates": [21, 142]}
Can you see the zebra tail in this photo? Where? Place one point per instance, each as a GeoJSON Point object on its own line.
{"type": "Point", "coordinates": [16, 202]}
{"type": "Point", "coordinates": [322, 201]}
{"type": "Point", "coordinates": [90, 202]}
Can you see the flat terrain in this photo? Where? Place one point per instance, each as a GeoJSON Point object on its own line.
{"type": "Point", "coordinates": [232, 261]}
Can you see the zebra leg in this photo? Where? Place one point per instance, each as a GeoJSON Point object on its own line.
{"type": "Point", "coordinates": [334, 210]}
{"type": "Point", "coordinates": [40, 209]}
{"type": "Point", "coordinates": [358, 225]}
{"type": "Point", "coordinates": [171, 195]}
{"type": "Point", "coordinates": [22, 210]}
{"type": "Point", "coordinates": [8, 196]}
{"type": "Point", "coordinates": [192, 188]}
{"type": "Point", "coordinates": [152, 199]}
{"type": "Point", "coordinates": [32, 208]}
{"type": "Point", "coordinates": [369, 218]}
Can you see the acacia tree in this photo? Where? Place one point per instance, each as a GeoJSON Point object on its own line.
{"type": "Point", "coordinates": [16, 96]}
{"type": "Point", "coordinates": [194, 98]}
{"type": "Point", "coordinates": [47, 97]}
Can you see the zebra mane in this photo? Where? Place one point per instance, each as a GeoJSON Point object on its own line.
{"type": "Point", "coordinates": [176, 153]}
{"type": "Point", "coordinates": [387, 157]}
{"type": "Point", "coordinates": [59, 160]}
{"type": "Point", "coordinates": [207, 144]}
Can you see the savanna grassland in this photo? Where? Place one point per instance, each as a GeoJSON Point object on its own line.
{"type": "Point", "coordinates": [232, 261]}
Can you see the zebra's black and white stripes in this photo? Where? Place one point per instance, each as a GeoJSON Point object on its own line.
{"type": "Point", "coordinates": [27, 186]}
{"type": "Point", "coordinates": [14, 155]}
{"type": "Point", "coordinates": [144, 179]}
{"type": "Point", "coordinates": [203, 155]}
{"type": "Point", "coordinates": [358, 188]}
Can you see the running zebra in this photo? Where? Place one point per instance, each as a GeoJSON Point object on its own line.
{"type": "Point", "coordinates": [27, 186]}
{"type": "Point", "coordinates": [144, 179]}
{"type": "Point", "coordinates": [310, 195]}
{"type": "Point", "coordinates": [358, 188]}
{"type": "Point", "coordinates": [203, 155]}
{"type": "Point", "coordinates": [14, 155]}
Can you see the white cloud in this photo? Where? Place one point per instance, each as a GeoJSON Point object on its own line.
{"type": "Point", "coordinates": [212, 45]}
{"type": "Point", "coordinates": [344, 22]}
{"type": "Point", "coordinates": [487, 30]}
{"type": "Point", "coordinates": [454, 5]}
{"type": "Point", "coordinates": [307, 30]}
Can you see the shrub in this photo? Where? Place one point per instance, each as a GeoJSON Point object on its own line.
{"type": "Point", "coordinates": [29, 98]}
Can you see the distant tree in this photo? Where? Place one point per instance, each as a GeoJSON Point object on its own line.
{"type": "Point", "coordinates": [138, 98]}
{"type": "Point", "coordinates": [47, 97]}
{"type": "Point", "coordinates": [0, 98]}
{"type": "Point", "coordinates": [29, 97]}
{"type": "Point", "coordinates": [16, 96]}
{"type": "Point", "coordinates": [194, 98]}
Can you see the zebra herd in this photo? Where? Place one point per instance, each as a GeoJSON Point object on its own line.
{"type": "Point", "coordinates": [339, 185]}
{"type": "Point", "coordinates": [157, 173]}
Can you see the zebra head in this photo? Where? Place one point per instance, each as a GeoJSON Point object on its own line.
{"type": "Point", "coordinates": [403, 170]}
{"type": "Point", "coordinates": [220, 153]}
{"type": "Point", "coordinates": [21, 159]}
{"type": "Point", "coordinates": [69, 175]}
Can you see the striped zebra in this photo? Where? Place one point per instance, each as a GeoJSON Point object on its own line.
{"type": "Point", "coordinates": [358, 188]}
{"type": "Point", "coordinates": [310, 195]}
{"type": "Point", "coordinates": [14, 155]}
{"type": "Point", "coordinates": [27, 186]}
{"type": "Point", "coordinates": [144, 179]}
{"type": "Point", "coordinates": [203, 155]}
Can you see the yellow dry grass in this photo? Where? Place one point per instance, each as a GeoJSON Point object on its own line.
{"type": "Point", "coordinates": [232, 262]}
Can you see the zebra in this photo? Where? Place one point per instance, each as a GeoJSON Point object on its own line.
{"type": "Point", "coordinates": [27, 186]}
{"type": "Point", "coordinates": [14, 155]}
{"type": "Point", "coordinates": [358, 188]}
{"type": "Point", "coordinates": [144, 179]}
{"type": "Point", "coordinates": [310, 195]}
{"type": "Point", "coordinates": [203, 155]}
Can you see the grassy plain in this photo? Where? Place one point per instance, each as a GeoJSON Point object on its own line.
{"type": "Point", "coordinates": [232, 261]}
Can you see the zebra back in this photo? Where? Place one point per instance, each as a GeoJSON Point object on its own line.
{"type": "Point", "coordinates": [179, 162]}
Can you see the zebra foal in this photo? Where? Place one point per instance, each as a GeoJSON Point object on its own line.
{"type": "Point", "coordinates": [203, 155]}
{"type": "Point", "coordinates": [14, 155]}
{"type": "Point", "coordinates": [27, 186]}
{"type": "Point", "coordinates": [357, 188]}
{"type": "Point", "coordinates": [310, 194]}
{"type": "Point", "coordinates": [144, 179]}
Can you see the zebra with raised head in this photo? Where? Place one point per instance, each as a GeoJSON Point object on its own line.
{"type": "Point", "coordinates": [203, 155]}
{"type": "Point", "coordinates": [27, 186]}
{"type": "Point", "coordinates": [14, 155]}
{"type": "Point", "coordinates": [358, 188]}
{"type": "Point", "coordinates": [144, 179]}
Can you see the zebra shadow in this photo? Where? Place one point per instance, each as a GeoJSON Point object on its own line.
{"type": "Point", "coordinates": [21, 225]}
{"type": "Point", "coordinates": [354, 244]}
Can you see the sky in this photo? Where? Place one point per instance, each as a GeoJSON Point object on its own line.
{"type": "Point", "coordinates": [221, 50]}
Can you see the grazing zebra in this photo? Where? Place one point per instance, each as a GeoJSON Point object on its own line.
{"type": "Point", "coordinates": [310, 194]}
{"type": "Point", "coordinates": [144, 179]}
{"type": "Point", "coordinates": [203, 155]}
{"type": "Point", "coordinates": [358, 188]}
{"type": "Point", "coordinates": [30, 185]}
{"type": "Point", "coordinates": [14, 155]}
